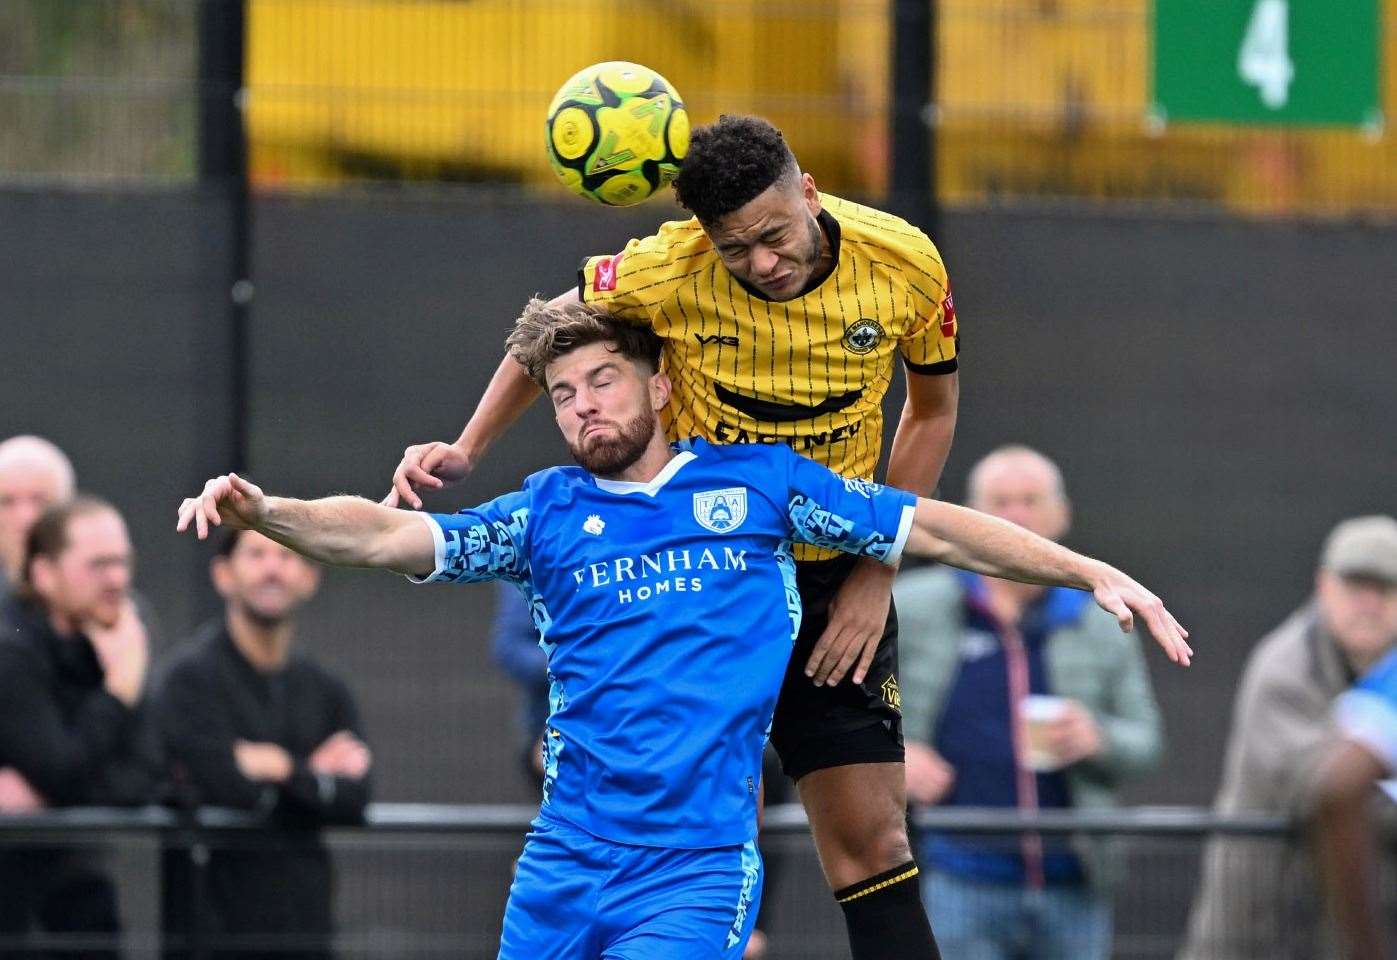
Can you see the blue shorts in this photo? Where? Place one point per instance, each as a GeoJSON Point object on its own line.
{"type": "Point", "coordinates": [577, 897]}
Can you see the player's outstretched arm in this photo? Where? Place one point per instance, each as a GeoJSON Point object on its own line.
{"type": "Point", "coordinates": [431, 466]}
{"type": "Point", "coordinates": [346, 531]}
{"type": "Point", "coordinates": [976, 541]}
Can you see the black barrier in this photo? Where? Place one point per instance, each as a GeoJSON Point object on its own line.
{"type": "Point", "coordinates": [430, 880]}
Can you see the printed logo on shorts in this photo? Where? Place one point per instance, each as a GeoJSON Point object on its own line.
{"type": "Point", "coordinates": [721, 511]}
{"type": "Point", "coordinates": [892, 694]}
{"type": "Point", "coordinates": [751, 873]}
{"type": "Point", "coordinates": [605, 278]}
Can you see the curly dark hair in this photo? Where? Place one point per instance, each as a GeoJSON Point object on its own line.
{"type": "Point", "coordinates": [545, 332]}
{"type": "Point", "coordinates": [729, 163]}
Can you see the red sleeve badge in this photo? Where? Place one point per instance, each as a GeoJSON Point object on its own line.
{"type": "Point", "coordinates": [948, 316]}
{"type": "Point", "coordinates": [605, 277]}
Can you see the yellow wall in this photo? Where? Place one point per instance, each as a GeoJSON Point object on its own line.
{"type": "Point", "coordinates": [1037, 97]}
{"type": "Point", "coordinates": [459, 89]}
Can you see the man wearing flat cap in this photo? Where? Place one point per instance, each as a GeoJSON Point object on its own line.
{"type": "Point", "coordinates": [1258, 897]}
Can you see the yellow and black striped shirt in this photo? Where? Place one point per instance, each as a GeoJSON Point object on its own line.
{"type": "Point", "coordinates": [809, 372]}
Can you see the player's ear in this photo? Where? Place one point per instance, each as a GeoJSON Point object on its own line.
{"type": "Point", "coordinates": [309, 579]}
{"type": "Point", "coordinates": [810, 194]}
{"type": "Point", "coordinates": [43, 575]}
{"type": "Point", "coordinates": [220, 572]}
{"type": "Point", "coordinates": [660, 389]}
{"type": "Point", "coordinates": [1062, 518]}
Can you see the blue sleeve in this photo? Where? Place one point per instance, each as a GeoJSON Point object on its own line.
{"type": "Point", "coordinates": [514, 639]}
{"type": "Point", "coordinates": [488, 542]}
{"type": "Point", "coordinates": [855, 516]}
{"type": "Point", "coordinates": [1368, 712]}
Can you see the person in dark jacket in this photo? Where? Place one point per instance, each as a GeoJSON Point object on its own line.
{"type": "Point", "coordinates": [74, 729]}
{"type": "Point", "coordinates": [252, 725]}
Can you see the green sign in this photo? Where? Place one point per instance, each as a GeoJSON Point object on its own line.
{"type": "Point", "coordinates": [1267, 61]}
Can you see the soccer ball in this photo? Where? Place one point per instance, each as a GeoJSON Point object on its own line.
{"type": "Point", "coordinates": [616, 133]}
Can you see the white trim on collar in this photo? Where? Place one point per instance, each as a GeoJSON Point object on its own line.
{"type": "Point", "coordinates": [654, 486]}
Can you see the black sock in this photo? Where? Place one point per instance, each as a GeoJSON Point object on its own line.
{"type": "Point", "coordinates": [886, 918]}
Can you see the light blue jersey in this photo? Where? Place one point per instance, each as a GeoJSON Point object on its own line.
{"type": "Point", "coordinates": [1368, 712]}
{"type": "Point", "coordinates": [667, 611]}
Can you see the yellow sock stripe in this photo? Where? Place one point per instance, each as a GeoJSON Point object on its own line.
{"type": "Point", "coordinates": [879, 886]}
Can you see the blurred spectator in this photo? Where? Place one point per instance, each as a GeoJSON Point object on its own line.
{"type": "Point", "coordinates": [1257, 900]}
{"type": "Point", "coordinates": [1346, 841]}
{"type": "Point", "coordinates": [515, 650]}
{"type": "Point", "coordinates": [34, 475]}
{"type": "Point", "coordinates": [1018, 696]}
{"type": "Point", "coordinates": [73, 728]}
{"type": "Point", "coordinates": [250, 724]}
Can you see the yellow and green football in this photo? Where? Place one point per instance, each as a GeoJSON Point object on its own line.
{"type": "Point", "coordinates": [617, 133]}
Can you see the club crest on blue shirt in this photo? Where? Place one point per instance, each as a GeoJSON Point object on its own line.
{"type": "Point", "coordinates": [721, 510]}
{"type": "Point", "coordinates": [594, 525]}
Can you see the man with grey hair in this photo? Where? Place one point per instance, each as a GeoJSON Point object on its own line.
{"type": "Point", "coordinates": [34, 475]}
{"type": "Point", "coordinates": [1257, 900]}
{"type": "Point", "coordinates": [1018, 696]}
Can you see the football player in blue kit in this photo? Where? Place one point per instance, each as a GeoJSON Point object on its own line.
{"type": "Point", "coordinates": [662, 582]}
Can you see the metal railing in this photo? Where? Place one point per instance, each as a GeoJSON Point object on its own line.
{"type": "Point", "coordinates": [514, 819]}
{"type": "Point", "coordinates": [430, 880]}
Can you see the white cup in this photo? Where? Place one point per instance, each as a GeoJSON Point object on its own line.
{"type": "Point", "coordinates": [1036, 712]}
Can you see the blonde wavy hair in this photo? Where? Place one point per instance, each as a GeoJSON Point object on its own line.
{"type": "Point", "coordinates": [546, 331]}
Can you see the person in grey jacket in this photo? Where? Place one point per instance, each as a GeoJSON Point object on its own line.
{"type": "Point", "coordinates": [1258, 898]}
{"type": "Point", "coordinates": [980, 659]}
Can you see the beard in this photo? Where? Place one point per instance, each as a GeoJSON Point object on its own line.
{"type": "Point", "coordinates": [267, 615]}
{"type": "Point", "coordinates": [609, 456]}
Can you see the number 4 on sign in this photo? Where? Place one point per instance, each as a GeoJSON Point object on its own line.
{"type": "Point", "coordinates": [1264, 60]}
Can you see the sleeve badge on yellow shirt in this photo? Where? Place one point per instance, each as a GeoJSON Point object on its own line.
{"type": "Point", "coordinates": [605, 277]}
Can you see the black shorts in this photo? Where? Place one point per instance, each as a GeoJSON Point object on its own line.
{"type": "Point", "coordinates": [820, 727]}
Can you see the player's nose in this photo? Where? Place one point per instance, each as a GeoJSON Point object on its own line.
{"type": "Point", "coordinates": [764, 260]}
{"type": "Point", "coordinates": [584, 404]}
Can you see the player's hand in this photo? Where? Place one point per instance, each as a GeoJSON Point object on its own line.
{"type": "Point", "coordinates": [929, 776]}
{"type": "Point", "coordinates": [1073, 736]}
{"type": "Point", "coordinates": [263, 762]}
{"type": "Point", "coordinates": [123, 650]}
{"type": "Point", "coordinates": [16, 795]}
{"type": "Point", "coordinates": [227, 499]}
{"type": "Point", "coordinates": [342, 755]}
{"type": "Point", "coordinates": [858, 615]}
{"type": "Point", "coordinates": [428, 466]}
{"type": "Point", "coordinates": [1125, 599]}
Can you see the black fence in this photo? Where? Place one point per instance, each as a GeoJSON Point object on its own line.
{"type": "Point", "coordinates": [431, 880]}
